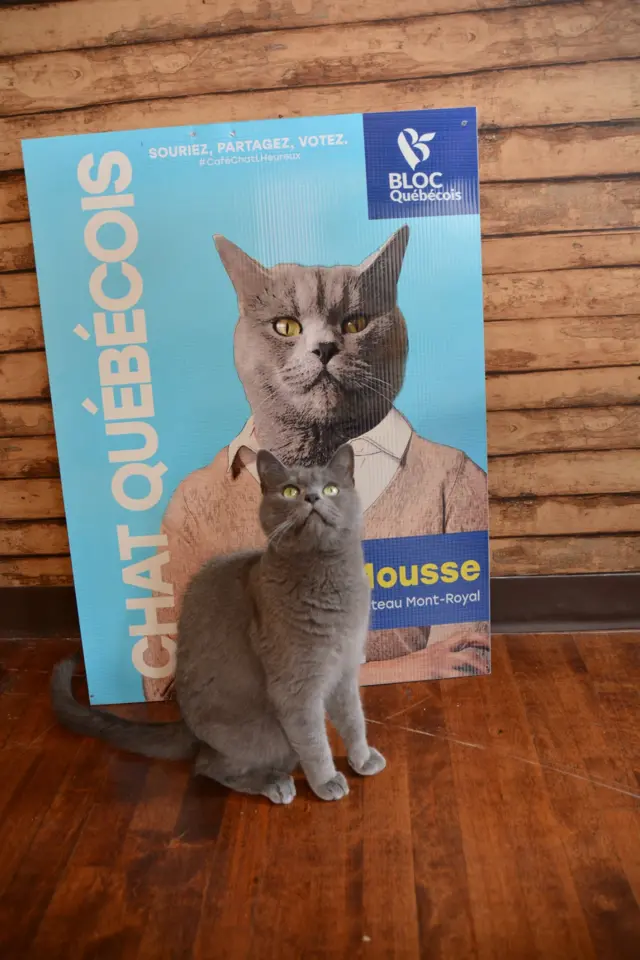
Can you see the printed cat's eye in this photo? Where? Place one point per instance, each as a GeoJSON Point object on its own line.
{"type": "Point", "coordinates": [287, 327]}
{"type": "Point", "coordinates": [290, 492]}
{"type": "Point", "coordinates": [355, 324]}
{"type": "Point", "coordinates": [331, 490]}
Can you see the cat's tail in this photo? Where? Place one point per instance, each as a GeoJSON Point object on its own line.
{"type": "Point", "coordinates": [162, 741]}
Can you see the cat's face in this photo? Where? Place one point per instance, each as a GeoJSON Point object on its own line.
{"type": "Point", "coordinates": [320, 344]}
{"type": "Point", "coordinates": [307, 509]}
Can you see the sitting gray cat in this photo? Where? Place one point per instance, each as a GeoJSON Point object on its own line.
{"type": "Point", "coordinates": [268, 640]}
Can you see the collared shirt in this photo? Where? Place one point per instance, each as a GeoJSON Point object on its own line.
{"type": "Point", "coordinates": [378, 454]}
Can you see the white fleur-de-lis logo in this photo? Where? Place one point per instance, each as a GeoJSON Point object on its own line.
{"type": "Point", "coordinates": [414, 148]}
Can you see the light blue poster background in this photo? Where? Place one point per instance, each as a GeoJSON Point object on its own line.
{"type": "Point", "coordinates": [312, 210]}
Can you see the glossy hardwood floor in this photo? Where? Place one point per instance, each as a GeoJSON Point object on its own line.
{"type": "Point", "coordinates": [505, 826]}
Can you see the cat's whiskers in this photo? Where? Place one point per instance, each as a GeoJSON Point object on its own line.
{"type": "Point", "coordinates": [281, 526]}
{"type": "Point", "coordinates": [277, 535]}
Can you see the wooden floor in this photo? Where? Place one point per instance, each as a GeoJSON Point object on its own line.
{"type": "Point", "coordinates": [505, 826]}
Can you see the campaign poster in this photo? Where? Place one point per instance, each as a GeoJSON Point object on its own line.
{"type": "Point", "coordinates": [290, 283]}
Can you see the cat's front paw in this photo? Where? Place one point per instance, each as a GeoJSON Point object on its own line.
{"type": "Point", "coordinates": [375, 763]}
{"type": "Point", "coordinates": [334, 789]}
{"type": "Point", "coordinates": [281, 789]}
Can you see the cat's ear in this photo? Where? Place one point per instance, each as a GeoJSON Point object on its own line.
{"type": "Point", "coordinates": [342, 463]}
{"type": "Point", "coordinates": [248, 277]}
{"type": "Point", "coordinates": [272, 473]}
{"type": "Point", "coordinates": [379, 273]}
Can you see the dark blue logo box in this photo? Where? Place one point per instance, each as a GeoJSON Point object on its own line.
{"type": "Point", "coordinates": [421, 163]}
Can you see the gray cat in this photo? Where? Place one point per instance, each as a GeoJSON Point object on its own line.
{"type": "Point", "coordinates": [267, 641]}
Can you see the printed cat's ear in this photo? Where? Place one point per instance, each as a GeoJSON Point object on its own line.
{"type": "Point", "coordinates": [380, 272]}
{"type": "Point", "coordinates": [272, 473]}
{"type": "Point", "coordinates": [247, 275]}
{"type": "Point", "coordinates": [342, 462]}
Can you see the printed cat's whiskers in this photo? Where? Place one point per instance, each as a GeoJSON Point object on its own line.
{"type": "Point", "coordinates": [365, 385]}
{"type": "Point", "coordinates": [370, 376]}
{"type": "Point", "coordinates": [361, 368]}
{"type": "Point", "coordinates": [271, 398]}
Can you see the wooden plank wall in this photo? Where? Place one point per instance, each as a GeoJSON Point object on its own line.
{"type": "Point", "coordinates": [558, 93]}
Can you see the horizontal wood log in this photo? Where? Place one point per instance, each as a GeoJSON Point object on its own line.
{"type": "Point", "coordinates": [533, 431]}
{"type": "Point", "coordinates": [98, 23]}
{"type": "Point", "coordinates": [27, 539]}
{"type": "Point", "coordinates": [507, 208]}
{"type": "Point", "coordinates": [537, 153]}
{"type": "Point", "coordinates": [607, 386]}
{"type": "Point", "coordinates": [594, 30]}
{"type": "Point", "coordinates": [561, 343]}
{"type": "Point", "coordinates": [13, 198]}
{"type": "Point", "coordinates": [572, 151]}
{"type": "Point", "coordinates": [31, 500]}
{"type": "Point", "coordinates": [565, 474]}
{"type": "Point", "coordinates": [28, 457]}
{"type": "Point", "coordinates": [16, 247]}
{"type": "Point", "coordinates": [35, 571]}
{"type": "Point", "coordinates": [21, 329]}
{"type": "Point", "coordinates": [538, 208]}
{"type": "Point", "coordinates": [560, 251]}
{"type": "Point", "coordinates": [509, 557]}
{"type": "Point", "coordinates": [531, 556]}
{"type": "Point", "coordinates": [31, 419]}
{"type": "Point", "coordinates": [18, 290]}
{"type": "Point", "coordinates": [562, 293]}
{"type": "Point", "coordinates": [553, 516]}
{"type": "Point", "coordinates": [23, 376]}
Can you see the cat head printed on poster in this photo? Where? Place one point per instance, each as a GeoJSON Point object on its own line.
{"type": "Point", "coordinates": [320, 350]}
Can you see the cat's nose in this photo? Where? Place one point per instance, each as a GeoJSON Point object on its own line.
{"type": "Point", "coordinates": [312, 497]}
{"type": "Point", "coordinates": [325, 351]}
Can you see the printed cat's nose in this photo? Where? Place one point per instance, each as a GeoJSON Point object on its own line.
{"type": "Point", "coordinates": [325, 351]}
{"type": "Point", "coordinates": [312, 497]}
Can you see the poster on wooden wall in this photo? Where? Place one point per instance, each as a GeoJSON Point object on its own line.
{"type": "Point", "coordinates": [287, 283]}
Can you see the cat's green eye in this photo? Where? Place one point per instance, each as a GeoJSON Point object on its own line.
{"type": "Point", "coordinates": [355, 324]}
{"type": "Point", "coordinates": [290, 492]}
{"type": "Point", "coordinates": [287, 327]}
{"type": "Point", "coordinates": [331, 490]}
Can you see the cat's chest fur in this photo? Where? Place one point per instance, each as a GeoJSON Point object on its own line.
{"type": "Point", "coordinates": [319, 612]}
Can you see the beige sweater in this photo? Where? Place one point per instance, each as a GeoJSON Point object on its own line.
{"type": "Point", "coordinates": [435, 490]}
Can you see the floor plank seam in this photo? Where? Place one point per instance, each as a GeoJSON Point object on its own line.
{"type": "Point", "coordinates": [511, 756]}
